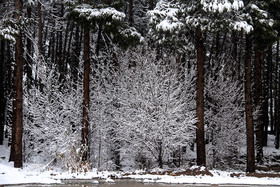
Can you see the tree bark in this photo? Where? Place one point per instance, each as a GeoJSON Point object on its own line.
{"type": "Point", "coordinates": [151, 4]}
{"type": "Point", "coordinates": [277, 128]}
{"type": "Point", "coordinates": [201, 155]}
{"type": "Point", "coordinates": [257, 99]}
{"type": "Point", "coordinates": [28, 61]}
{"type": "Point", "coordinates": [86, 98]}
{"type": "Point", "coordinates": [17, 127]}
{"type": "Point", "coordinates": [76, 55]}
{"type": "Point", "coordinates": [264, 105]}
{"type": "Point", "coordinates": [130, 18]}
{"type": "Point", "coordinates": [2, 91]}
{"type": "Point", "coordinates": [248, 107]}
{"type": "Point", "coordinates": [270, 88]}
{"type": "Point", "coordinates": [40, 27]}
{"type": "Point", "coordinates": [59, 48]}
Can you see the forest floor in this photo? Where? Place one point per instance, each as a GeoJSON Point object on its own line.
{"type": "Point", "coordinates": [266, 175]}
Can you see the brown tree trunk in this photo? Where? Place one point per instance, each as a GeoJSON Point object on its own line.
{"type": "Point", "coordinates": [277, 125]}
{"type": "Point", "coordinates": [270, 88]}
{"type": "Point", "coordinates": [248, 107]}
{"type": "Point", "coordinates": [59, 49]}
{"type": "Point", "coordinates": [2, 91]}
{"type": "Point", "coordinates": [86, 98]}
{"type": "Point", "coordinates": [151, 4]}
{"type": "Point", "coordinates": [28, 61]}
{"type": "Point", "coordinates": [264, 104]}
{"type": "Point", "coordinates": [17, 128]}
{"type": "Point", "coordinates": [257, 99]}
{"type": "Point", "coordinates": [130, 18]}
{"type": "Point", "coordinates": [76, 55]}
{"type": "Point", "coordinates": [200, 142]}
{"type": "Point", "coordinates": [40, 27]}
{"type": "Point", "coordinates": [65, 50]}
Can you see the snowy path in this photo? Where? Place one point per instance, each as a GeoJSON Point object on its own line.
{"type": "Point", "coordinates": [10, 175]}
{"type": "Point", "coordinates": [34, 173]}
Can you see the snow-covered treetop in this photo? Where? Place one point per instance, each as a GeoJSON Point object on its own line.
{"type": "Point", "coordinates": [167, 24]}
{"type": "Point", "coordinates": [262, 20]}
{"type": "Point", "coordinates": [165, 17]}
{"type": "Point", "coordinates": [8, 32]}
{"type": "Point", "coordinates": [86, 12]}
{"type": "Point", "coordinates": [221, 6]}
{"type": "Point", "coordinates": [242, 26]}
{"type": "Point", "coordinates": [109, 20]}
{"type": "Point", "coordinates": [262, 15]}
{"type": "Point", "coordinates": [8, 29]}
{"type": "Point", "coordinates": [31, 2]}
{"type": "Point", "coordinates": [211, 15]}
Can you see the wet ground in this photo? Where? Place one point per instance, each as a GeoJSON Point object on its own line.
{"type": "Point", "coordinates": [127, 183]}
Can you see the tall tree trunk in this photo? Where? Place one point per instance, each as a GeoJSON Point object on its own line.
{"type": "Point", "coordinates": [2, 91]}
{"type": "Point", "coordinates": [248, 107]}
{"type": "Point", "coordinates": [151, 4]}
{"type": "Point", "coordinates": [59, 48]}
{"type": "Point", "coordinates": [86, 98]}
{"type": "Point", "coordinates": [28, 61]}
{"type": "Point", "coordinates": [270, 88]}
{"type": "Point", "coordinates": [76, 55]}
{"type": "Point", "coordinates": [40, 27]}
{"type": "Point", "coordinates": [16, 149]}
{"type": "Point", "coordinates": [277, 133]}
{"type": "Point", "coordinates": [65, 48]}
{"type": "Point", "coordinates": [130, 17]}
{"type": "Point", "coordinates": [264, 105]}
{"type": "Point", "coordinates": [257, 99]}
{"type": "Point", "coordinates": [200, 142]}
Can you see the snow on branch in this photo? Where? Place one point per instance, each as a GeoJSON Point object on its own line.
{"type": "Point", "coordinates": [242, 26]}
{"type": "Point", "coordinates": [221, 6]}
{"type": "Point", "coordinates": [89, 13]}
{"type": "Point", "coordinates": [7, 31]}
{"type": "Point", "coordinates": [165, 17]}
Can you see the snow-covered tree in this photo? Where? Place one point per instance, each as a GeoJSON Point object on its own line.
{"type": "Point", "coordinates": [174, 22]}
{"type": "Point", "coordinates": [155, 110]}
{"type": "Point", "coordinates": [51, 119]}
{"type": "Point", "coordinates": [224, 117]}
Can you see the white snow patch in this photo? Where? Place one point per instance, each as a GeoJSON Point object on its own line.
{"type": "Point", "coordinates": [11, 175]}
{"type": "Point", "coordinates": [34, 173]}
{"type": "Point", "coordinates": [109, 180]}
{"type": "Point", "coordinates": [219, 177]}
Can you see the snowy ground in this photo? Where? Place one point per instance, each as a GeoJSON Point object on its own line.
{"type": "Point", "coordinates": [35, 173]}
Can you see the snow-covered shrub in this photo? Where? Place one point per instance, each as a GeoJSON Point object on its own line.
{"type": "Point", "coordinates": [156, 112]}
{"type": "Point", "coordinates": [143, 111]}
{"type": "Point", "coordinates": [103, 126]}
{"type": "Point", "coordinates": [73, 160]}
{"type": "Point", "coordinates": [52, 116]}
{"type": "Point", "coordinates": [224, 117]}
